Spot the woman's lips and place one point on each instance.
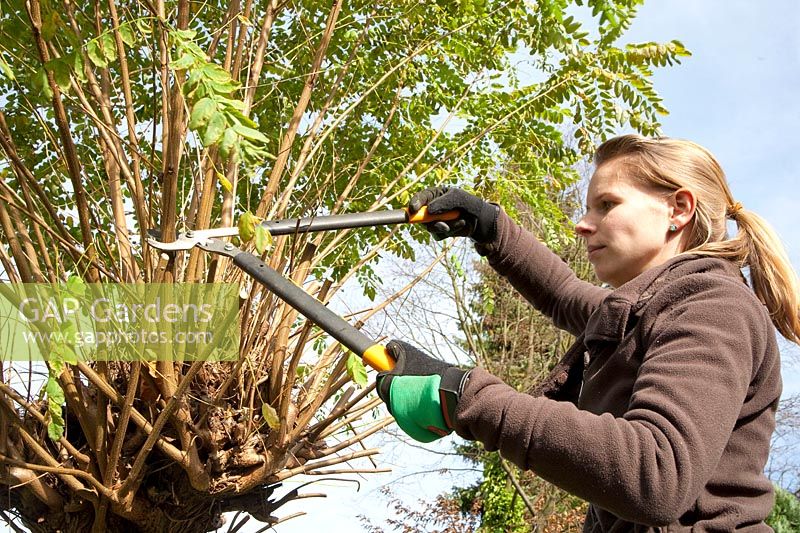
(594, 249)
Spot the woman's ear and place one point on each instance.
(682, 203)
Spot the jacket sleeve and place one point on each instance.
(649, 465)
(542, 277)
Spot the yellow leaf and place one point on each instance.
(270, 416)
(247, 226)
(226, 185)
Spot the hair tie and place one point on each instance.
(734, 210)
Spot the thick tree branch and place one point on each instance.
(134, 477)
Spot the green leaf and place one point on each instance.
(404, 197)
(214, 129)
(238, 105)
(250, 133)
(55, 399)
(50, 25)
(356, 370)
(247, 226)
(95, 55)
(55, 427)
(456, 264)
(39, 83)
(227, 147)
(194, 49)
(225, 87)
(77, 66)
(192, 88)
(270, 416)
(215, 72)
(76, 286)
(63, 353)
(54, 391)
(785, 514)
(201, 112)
(56, 366)
(263, 239)
(184, 35)
(127, 35)
(109, 47)
(184, 62)
(7, 72)
(143, 26)
(61, 73)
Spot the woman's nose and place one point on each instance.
(583, 228)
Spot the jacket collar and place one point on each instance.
(610, 320)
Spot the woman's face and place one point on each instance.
(626, 226)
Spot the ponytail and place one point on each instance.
(757, 246)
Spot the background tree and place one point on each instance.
(785, 515)
(120, 118)
(784, 460)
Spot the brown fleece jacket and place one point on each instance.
(661, 413)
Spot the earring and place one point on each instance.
(673, 228)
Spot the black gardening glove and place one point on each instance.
(478, 218)
(421, 392)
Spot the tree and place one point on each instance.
(782, 466)
(122, 118)
(785, 515)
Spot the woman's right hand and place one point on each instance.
(478, 218)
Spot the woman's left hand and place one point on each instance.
(421, 392)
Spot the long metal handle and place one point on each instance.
(290, 226)
(353, 220)
(375, 355)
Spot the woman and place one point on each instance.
(661, 413)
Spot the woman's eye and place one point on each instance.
(606, 205)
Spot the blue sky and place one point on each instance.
(736, 96)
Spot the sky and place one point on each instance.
(736, 96)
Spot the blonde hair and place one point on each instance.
(672, 164)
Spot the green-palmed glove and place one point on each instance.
(421, 392)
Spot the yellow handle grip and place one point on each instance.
(377, 356)
(423, 216)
